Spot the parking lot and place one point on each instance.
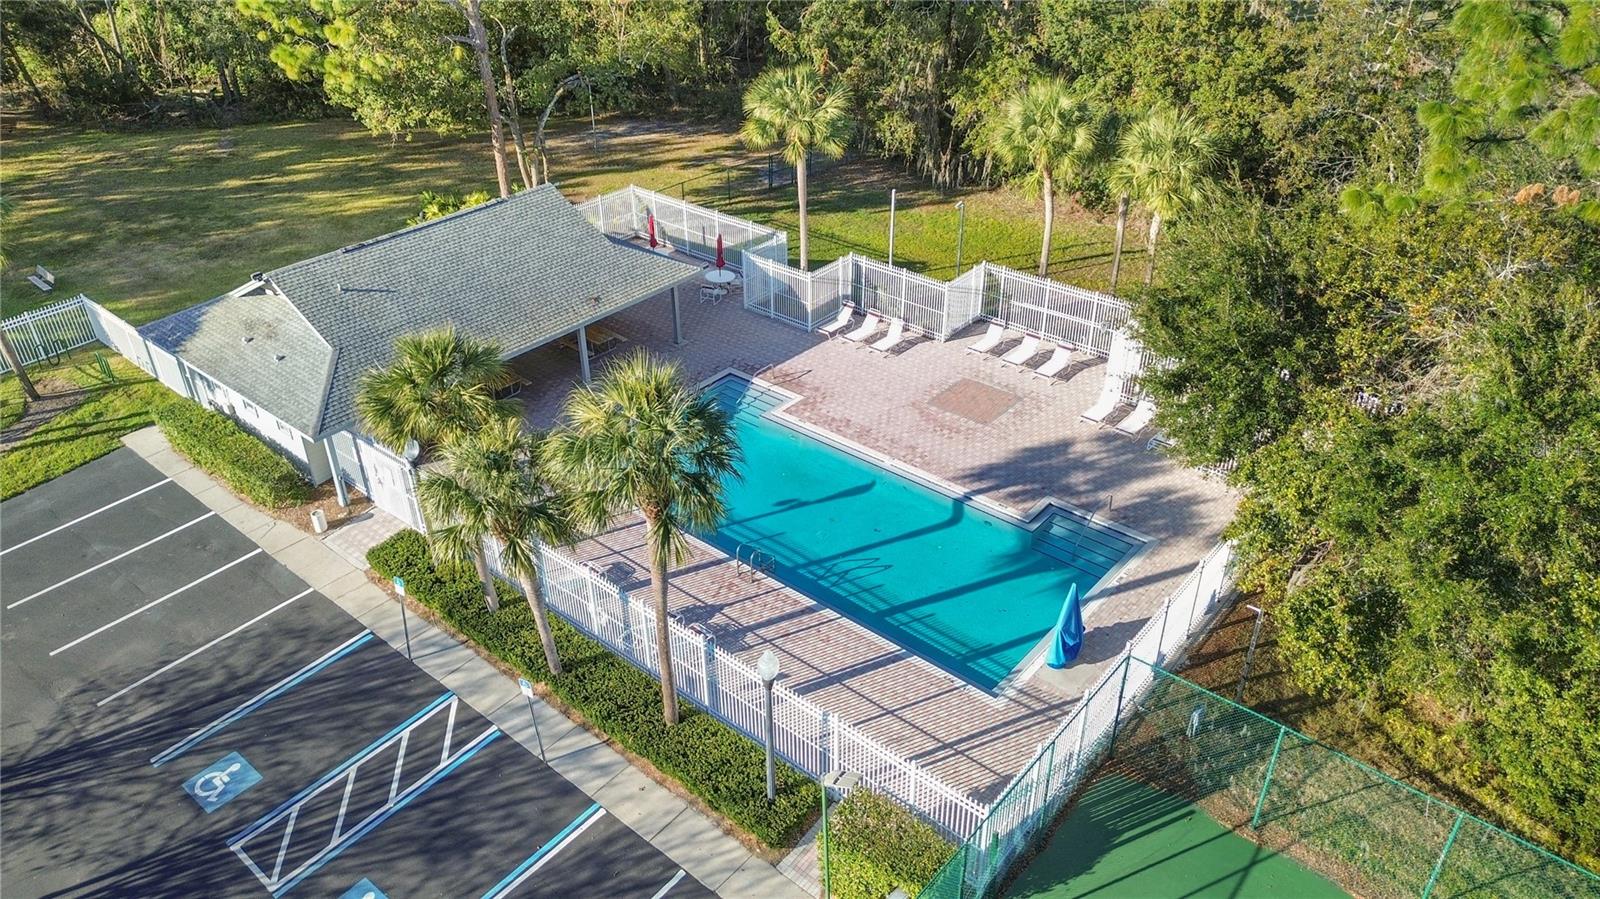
(182, 716)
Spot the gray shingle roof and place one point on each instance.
(258, 344)
(519, 271)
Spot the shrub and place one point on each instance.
(219, 445)
(709, 758)
(877, 847)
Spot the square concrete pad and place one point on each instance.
(974, 401)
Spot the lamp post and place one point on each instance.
(767, 669)
(891, 227)
(961, 230)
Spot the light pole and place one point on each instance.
(961, 230)
(1249, 654)
(891, 227)
(767, 669)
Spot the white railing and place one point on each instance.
(807, 736)
(689, 228)
(48, 332)
(940, 309)
(1061, 762)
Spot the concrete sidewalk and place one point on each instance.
(680, 831)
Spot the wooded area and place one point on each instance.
(1377, 280)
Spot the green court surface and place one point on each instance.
(1125, 839)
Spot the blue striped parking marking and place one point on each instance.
(278, 689)
(482, 740)
(535, 861)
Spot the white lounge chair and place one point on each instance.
(834, 327)
(990, 339)
(1139, 418)
(869, 327)
(1110, 399)
(1027, 349)
(897, 335)
(1058, 361)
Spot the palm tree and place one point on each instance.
(440, 386)
(493, 485)
(1048, 134)
(792, 108)
(641, 437)
(1164, 163)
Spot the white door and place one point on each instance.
(390, 485)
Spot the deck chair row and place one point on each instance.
(1061, 355)
(868, 329)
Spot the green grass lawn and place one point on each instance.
(151, 222)
(85, 432)
(1125, 839)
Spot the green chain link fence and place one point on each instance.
(1363, 830)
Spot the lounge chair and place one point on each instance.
(1058, 361)
(1110, 399)
(897, 334)
(990, 339)
(1027, 349)
(869, 327)
(834, 327)
(1139, 418)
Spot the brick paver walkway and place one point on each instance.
(1035, 448)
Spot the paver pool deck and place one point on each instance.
(1033, 448)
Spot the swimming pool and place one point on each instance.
(969, 590)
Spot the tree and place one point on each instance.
(642, 437)
(493, 485)
(12, 359)
(439, 387)
(1525, 80)
(1164, 163)
(478, 39)
(794, 109)
(1047, 133)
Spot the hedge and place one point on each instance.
(710, 759)
(217, 444)
(877, 847)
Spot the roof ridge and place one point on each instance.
(547, 187)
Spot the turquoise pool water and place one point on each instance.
(963, 588)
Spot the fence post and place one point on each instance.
(1116, 718)
(708, 648)
(1438, 866)
(1161, 635)
(1272, 765)
(1083, 727)
(1049, 771)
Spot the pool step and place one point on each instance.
(1070, 538)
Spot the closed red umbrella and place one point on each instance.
(650, 227)
(720, 261)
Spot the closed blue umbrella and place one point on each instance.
(1066, 639)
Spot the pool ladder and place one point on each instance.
(754, 563)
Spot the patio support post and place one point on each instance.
(677, 319)
(338, 480)
(583, 353)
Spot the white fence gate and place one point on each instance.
(47, 332)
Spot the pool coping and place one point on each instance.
(1033, 659)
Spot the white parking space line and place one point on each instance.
(155, 602)
(545, 853)
(117, 557)
(86, 517)
(194, 652)
(670, 884)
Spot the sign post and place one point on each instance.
(527, 691)
(405, 623)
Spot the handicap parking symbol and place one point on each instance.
(364, 889)
(220, 781)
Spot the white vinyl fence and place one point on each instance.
(940, 309)
(687, 227)
(808, 737)
(49, 331)
(1058, 767)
